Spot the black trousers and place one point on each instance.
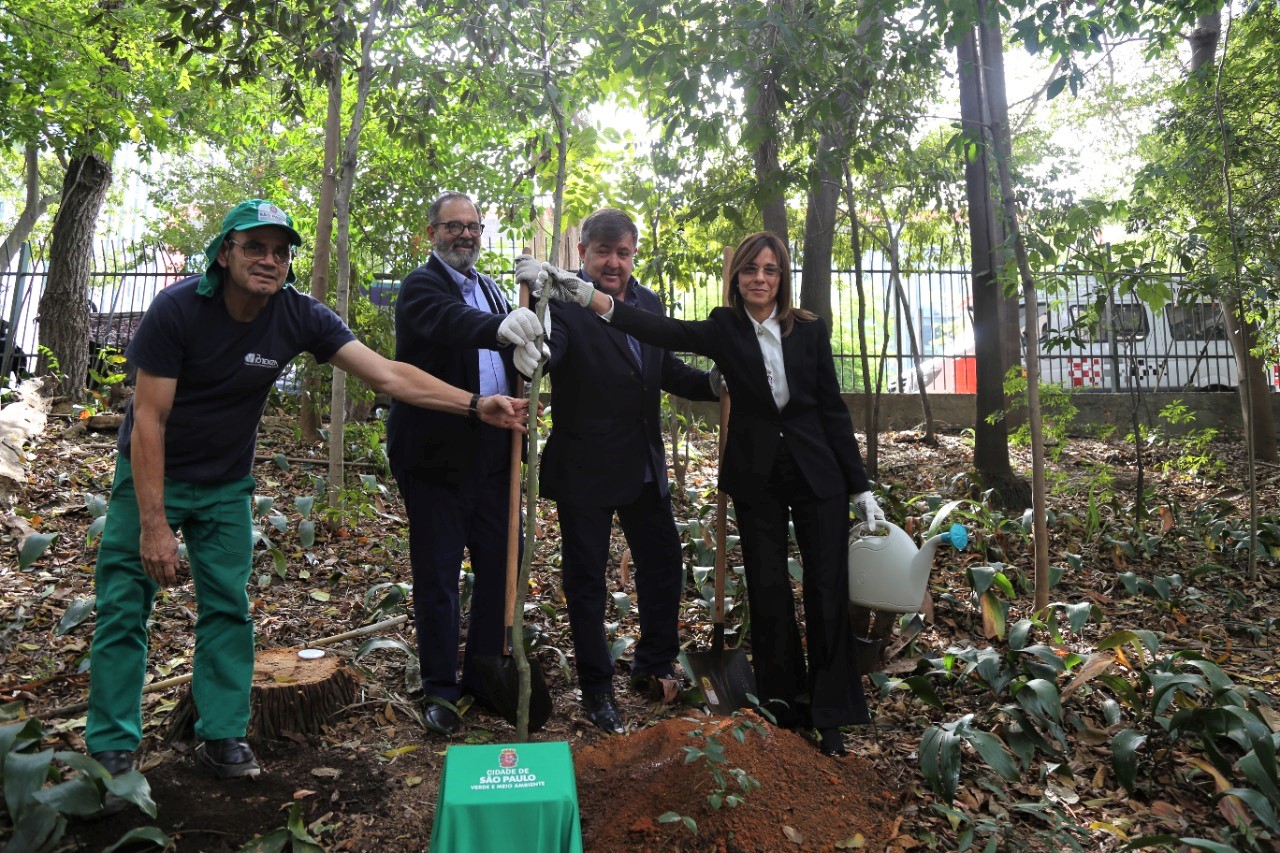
(828, 691)
(655, 550)
(442, 522)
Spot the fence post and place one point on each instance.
(10, 338)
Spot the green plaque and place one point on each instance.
(511, 797)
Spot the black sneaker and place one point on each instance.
(116, 762)
(228, 758)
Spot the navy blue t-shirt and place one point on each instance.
(225, 370)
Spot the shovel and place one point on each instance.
(499, 674)
(724, 675)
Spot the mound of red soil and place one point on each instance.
(804, 798)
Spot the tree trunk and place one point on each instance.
(290, 696)
(820, 231)
(33, 208)
(762, 111)
(998, 110)
(64, 308)
(309, 420)
(870, 426)
(346, 182)
(991, 438)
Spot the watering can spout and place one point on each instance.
(889, 572)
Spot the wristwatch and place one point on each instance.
(473, 409)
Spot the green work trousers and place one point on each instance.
(217, 527)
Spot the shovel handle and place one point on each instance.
(514, 490)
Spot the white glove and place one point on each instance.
(566, 286)
(718, 386)
(865, 506)
(520, 329)
(526, 363)
(527, 269)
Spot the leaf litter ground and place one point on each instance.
(370, 782)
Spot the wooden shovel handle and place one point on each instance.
(514, 489)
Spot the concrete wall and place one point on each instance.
(956, 411)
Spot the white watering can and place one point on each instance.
(887, 571)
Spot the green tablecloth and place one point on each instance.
(509, 797)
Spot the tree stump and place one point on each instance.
(290, 696)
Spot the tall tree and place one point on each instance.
(80, 80)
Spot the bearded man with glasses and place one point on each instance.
(452, 472)
(208, 352)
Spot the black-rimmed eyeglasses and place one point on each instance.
(255, 251)
(453, 227)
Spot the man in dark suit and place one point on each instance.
(453, 470)
(605, 456)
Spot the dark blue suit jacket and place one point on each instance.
(439, 332)
(606, 409)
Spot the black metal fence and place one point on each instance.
(1090, 339)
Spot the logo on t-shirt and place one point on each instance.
(256, 360)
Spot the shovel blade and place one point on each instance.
(725, 677)
(501, 681)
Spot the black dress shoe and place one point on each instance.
(603, 712)
(441, 720)
(114, 761)
(832, 744)
(228, 758)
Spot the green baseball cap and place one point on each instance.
(245, 216)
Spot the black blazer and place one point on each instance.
(815, 422)
(439, 332)
(606, 409)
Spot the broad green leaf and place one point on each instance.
(923, 690)
(95, 529)
(38, 828)
(304, 505)
(619, 647)
(131, 839)
(14, 736)
(282, 461)
(622, 601)
(1078, 614)
(279, 562)
(76, 797)
(994, 753)
(262, 504)
(132, 787)
(940, 761)
(77, 612)
(1124, 756)
(320, 595)
(307, 532)
(24, 774)
(272, 842)
(33, 547)
(96, 504)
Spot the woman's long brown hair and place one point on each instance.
(748, 250)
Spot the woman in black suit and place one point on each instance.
(791, 454)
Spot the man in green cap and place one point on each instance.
(208, 351)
